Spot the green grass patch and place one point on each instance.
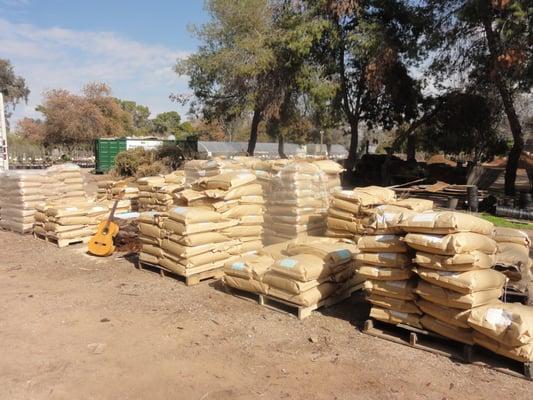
(505, 223)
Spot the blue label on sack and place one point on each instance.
(239, 266)
(344, 253)
(288, 263)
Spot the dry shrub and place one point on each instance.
(152, 169)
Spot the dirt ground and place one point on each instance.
(75, 327)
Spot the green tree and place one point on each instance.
(139, 116)
(486, 42)
(367, 48)
(12, 87)
(167, 123)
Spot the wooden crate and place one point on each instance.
(190, 279)
(437, 344)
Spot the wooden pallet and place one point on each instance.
(242, 294)
(8, 229)
(190, 280)
(284, 306)
(62, 242)
(437, 344)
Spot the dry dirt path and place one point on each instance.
(73, 327)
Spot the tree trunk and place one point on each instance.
(411, 148)
(508, 105)
(281, 145)
(253, 132)
(352, 153)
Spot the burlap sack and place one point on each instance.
(333, 253)
(445, 222)
(521, 353)
(391, 303)
(181, 251)
(512, 254)
(151, 230)
(333, 233)
(289, 285)
(249, 266)
(53, 227)
(248, 285)
(148, 258)
(208, 258)
(77, 220)
(155, 251)
(403, 290)
(65, 211)
(451, 244)
(226, 181)
(391, 260)
(384, 273)
(152, 217)
(276, 251)
(341, 214)
(511, 324)
(302, 267)
(395, 317)
(243, 210)
(192, 215)
(418, 205)
(251, 220)
(449, 298)
(510, 235)
(308, 298)
(463, 282)
(246, 246)
(367, 196)
(382, 244)
(179, 228)
(73, 234)
(450, 331)
(240, 231)
(199, 239)
(345, 205)
(343, 225)
(474, 260)
(385, 219)
(329, 166)
(450, 316)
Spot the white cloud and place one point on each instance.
(63, 58)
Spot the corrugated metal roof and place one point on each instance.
(271, 149)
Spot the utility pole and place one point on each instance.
(4, 159)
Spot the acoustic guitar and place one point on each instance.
(101, 243)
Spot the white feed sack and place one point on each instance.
(20, 193)
(297, 203)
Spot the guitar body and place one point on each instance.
(101, 243)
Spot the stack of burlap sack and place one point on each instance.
(20, 193)
(454, 256)
(72, 221)
(352, 212)
(333, 171)
(512, 257)
(157, 193)
(297, 203)
(303, 271)
(504, 328)
(384, 258)
(69, 182)
(193, 240)
(199, 169)
(151, 235)
(237, 197)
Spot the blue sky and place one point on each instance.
(130, 45)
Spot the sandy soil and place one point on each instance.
(75, 327)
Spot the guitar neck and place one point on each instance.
(112, 213)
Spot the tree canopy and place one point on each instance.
(12, 86)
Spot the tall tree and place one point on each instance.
(139, 116)
(487, 42)
(167, 123)
(12, 86)
(368, 48)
